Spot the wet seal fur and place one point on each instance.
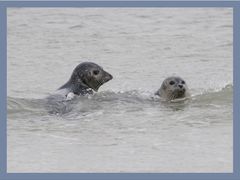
(173, 88)
(86, 78)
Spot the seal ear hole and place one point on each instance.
(89, 73)
(171, 82)
(96, 72)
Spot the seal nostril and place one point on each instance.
(181, 86)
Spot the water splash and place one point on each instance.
(111, 100)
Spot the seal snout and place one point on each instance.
(180, 91)
(181, 88)
(107, 77)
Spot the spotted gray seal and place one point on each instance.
(173, 88)
(85, 78)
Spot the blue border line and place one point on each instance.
(138, 176)
(116, 176)
(132, 176)
(236, 92)
(3, 91)
(119, 3)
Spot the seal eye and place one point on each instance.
(96, 72)
(171, 82)
(183, 82)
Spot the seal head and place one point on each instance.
(86, 77)
(173, 88)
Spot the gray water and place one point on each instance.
(123, 127)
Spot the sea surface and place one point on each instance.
(123, 127)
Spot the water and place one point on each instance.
(123, 127)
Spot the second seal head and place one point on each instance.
(173, 88)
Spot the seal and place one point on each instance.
(85, 78)
(173, 88)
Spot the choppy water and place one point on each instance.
(123, 127)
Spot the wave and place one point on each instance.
(110, 99)
(21, 105)
(218, 95)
